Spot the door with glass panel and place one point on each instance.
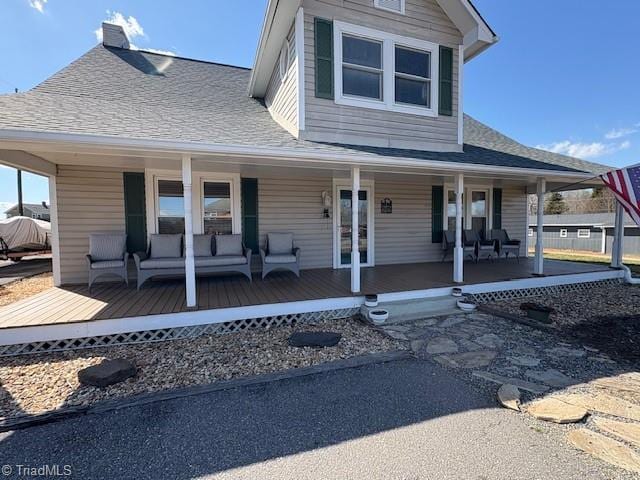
(345, 223)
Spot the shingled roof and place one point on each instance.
(144, 95)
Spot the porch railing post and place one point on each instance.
(355, 230)
(458, 257)
(618, 237)
(189, 264)
(538, 267)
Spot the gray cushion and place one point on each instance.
(280, 243)
(280, 259)
(107, 246)
(166, 245)
(202, 245)
(220, 260)
(229, 245)
(154, 263)
(107, 264)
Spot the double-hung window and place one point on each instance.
(375, 69)
(412, 76)
(361, 67)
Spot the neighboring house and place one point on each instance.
(352, 98)
(591, 232)
(39, 211)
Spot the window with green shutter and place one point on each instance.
(134, 212)
(437, 207)
(446, 81)
(249, 202)
(324, 57)
(497, 208)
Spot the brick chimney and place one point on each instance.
(114, 36)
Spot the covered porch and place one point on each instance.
(113, 301)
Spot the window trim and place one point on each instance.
(376, 4)
(389, 42)
(283, 61)
(530, 232)
(199, 177)
(564, 233)
(466, 204)
(587, 230)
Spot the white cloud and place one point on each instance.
(585, 150)
(132, 28)
(130, 25)
(38, 4)
(620, 132)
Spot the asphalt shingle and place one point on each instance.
(143, 95)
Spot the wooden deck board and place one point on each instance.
(115, 300)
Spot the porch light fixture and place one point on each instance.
(326, 202)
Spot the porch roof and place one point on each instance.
(132, 94)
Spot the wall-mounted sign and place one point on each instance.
(386, 205)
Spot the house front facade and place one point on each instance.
(350, 99)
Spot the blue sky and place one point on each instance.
(563, 76)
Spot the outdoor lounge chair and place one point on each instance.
(449, 244)
(485, 248)
(107, 256)
(504, 244)
(280, 254)
(165, 256)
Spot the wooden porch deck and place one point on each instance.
(114, 300)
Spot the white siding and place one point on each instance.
(325, 120)
(281, 97)
(294, 205)
(90, 200)
(404, 236)
(514, 215)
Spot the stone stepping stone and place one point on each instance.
(479, 359)
(604, 403)
(489, 340)
(551, 377)
(524, 361)
(396, 335)
(416, 345)
(314, 339)
(108, 372)
(451, 321)
(521, 384)
(553, 410)
(440, 345)
(605, 448)
(629, 432)
(509, 397)
(626, 382)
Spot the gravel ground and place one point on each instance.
(40, 383)
(25, 288)
(604, 317)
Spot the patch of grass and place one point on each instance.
(586, 257)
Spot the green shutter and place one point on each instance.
(324, 57)
(134, 212)
(446, 81)
(437, 207)
(497, 208)
(249, 201)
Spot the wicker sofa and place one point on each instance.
(212, 254)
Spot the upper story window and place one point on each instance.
(391, 5)
(361, 67)
(379, 70)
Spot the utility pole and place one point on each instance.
(20, 206)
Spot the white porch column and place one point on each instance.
(458, 257)
(355, 230)
(190, 271)
(538, 267)
(618, 237)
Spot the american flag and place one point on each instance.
(625, 185)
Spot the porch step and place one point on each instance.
(408, 310)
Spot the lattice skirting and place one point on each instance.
(174, 333)
(487, 297)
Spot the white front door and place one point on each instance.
(342, 225)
